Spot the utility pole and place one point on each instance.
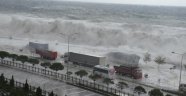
(181, 64)
(68, 41)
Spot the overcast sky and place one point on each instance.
(144, 2)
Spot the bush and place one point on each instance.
(33, 61)
(22, 58)
(139, 89)
(81, 73)
(69, 73)
(108, 81)
(46, 64)
(3, 54)
(38, 92)
(57, 66)
(122, 85)
(13, 56)
(155, 92)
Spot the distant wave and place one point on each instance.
(146, 37)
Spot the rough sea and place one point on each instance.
(158, 29)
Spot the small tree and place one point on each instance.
(12, 82)
(46, 64)
(122, 85)
(69, 73)
(38, 92)
(108, 81)
(147, 57)
(183, 94)
(2, 80)
(81, 73)
(13, 56)
(33, 61)
(51, 94)
(140, 90)
(22, 58)
(3, 54)
(57, 66)
(26, 87)
(94, 77)
(159, 60)
(155, 92)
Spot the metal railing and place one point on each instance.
(21, 85)
(92, 86)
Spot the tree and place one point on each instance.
(22, 58)
(33, 61)
(69, 73)
(155, 92)
(38, 92)
(46, 64)
(26, 87)
(81, 73)
(94, 77)
(108, 81)
(3, 54)
(57, 66)
(168, 95)
(183, 94)
(122, 85)
(139, 90)
(159, 60)
(51, 94)
(147, 57)
(2, 80)
(12, 82)
(13, 56)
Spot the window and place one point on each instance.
(100, 70)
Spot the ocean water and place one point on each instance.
(158, 29)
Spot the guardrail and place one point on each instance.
(99, 88)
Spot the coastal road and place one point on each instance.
(60, 88)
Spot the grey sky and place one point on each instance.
(144, 2)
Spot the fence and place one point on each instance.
(102, 89)
(32, 88)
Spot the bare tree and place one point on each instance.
(160, 60)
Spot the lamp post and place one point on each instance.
(68, 41)
(181, 64)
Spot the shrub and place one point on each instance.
(81, 73)
(139, 89)
(3, 54)
(57, 66)
(22, 58)
(155, 92)
(46, 64)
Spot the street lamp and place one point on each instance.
(68, 40)
(181, 64)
